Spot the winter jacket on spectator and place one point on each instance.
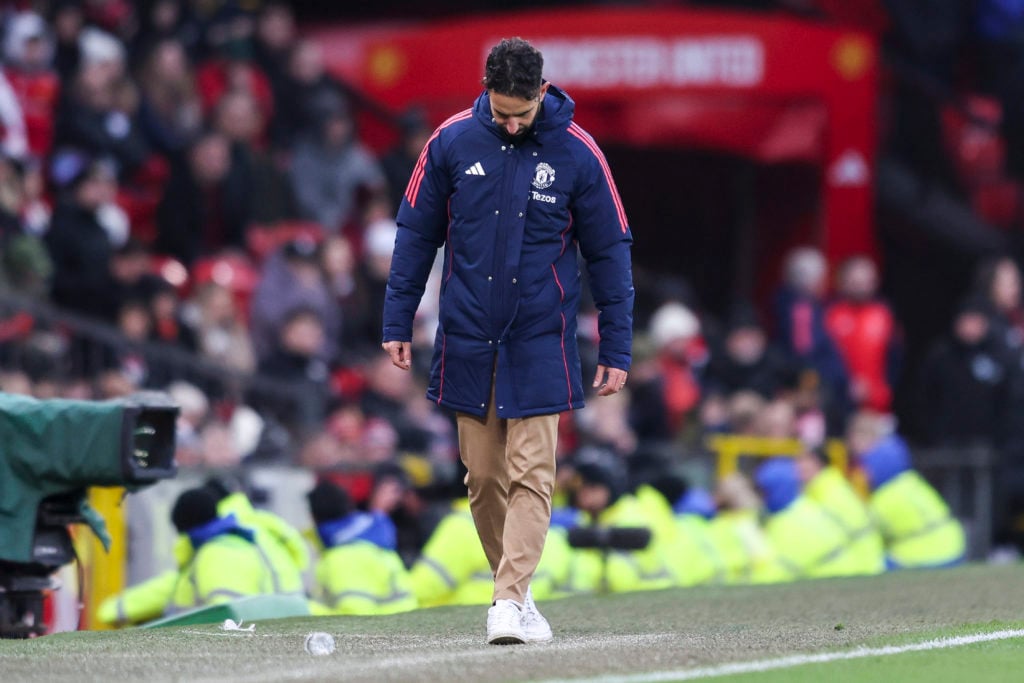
(195, 219)
(865, 333)
(511, 283)
(81, 252)
(802, 335)
(37, 94)
(282, 290)
(970, 393)
(326, 179)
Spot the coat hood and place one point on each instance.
(556, 112)
(779, 482)
(376, 528)
(696, 501)
(887, 460)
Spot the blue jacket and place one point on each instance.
(510, 217)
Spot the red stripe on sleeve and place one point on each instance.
(412, 190)
(585, 138)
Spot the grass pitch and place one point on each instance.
(596, 638)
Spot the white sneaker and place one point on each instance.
(536, 628)
(505, 623)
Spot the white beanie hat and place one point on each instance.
(671, 322)
(380, 237)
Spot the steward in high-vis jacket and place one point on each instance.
(805, 542)
(599, 493)
(452, 568)
(829, 488)
(704, 562)
(359, 571)
(516, 309)
(682, 540)
(225, 563)
(914, 520)
(736, 531)
(285, 550)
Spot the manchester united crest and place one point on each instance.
(543, 176)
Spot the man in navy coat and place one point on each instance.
(511, 188)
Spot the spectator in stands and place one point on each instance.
(999, 281)
(166, 310)
(25, 265)
(372, 271)
(399, 162)
(239, 119)
(233, 69)
(220, 331)
(745, 361)
(131, 269)
(303, 91)
(128, 357)
(394, 396)
(274, 41)
(663, 404)
(346, 286)
(170, 114)
(801, 331)
(864, 330)
(330, 167)
(28, 50)
(15, 141)
(161, 20)
(98, 112)
(205, 205)
(606, 423)
(292, 278)
(297, 362)
(68, 20)
(970, 389)
(1000, 65)
(79, 246)
(194, 410)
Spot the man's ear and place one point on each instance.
(543, 90)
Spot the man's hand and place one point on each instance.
(400, 352)
(616, 379)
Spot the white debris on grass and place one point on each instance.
(231, 625)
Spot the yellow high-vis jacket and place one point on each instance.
(618, 571)
(838, 499)
(916, 524)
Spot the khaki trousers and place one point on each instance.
(511, 465)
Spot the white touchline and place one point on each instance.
(794, 660)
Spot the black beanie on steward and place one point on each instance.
(193, 509)
(328, 501)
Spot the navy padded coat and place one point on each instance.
(510, 217)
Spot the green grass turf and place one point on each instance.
(622, 634)
(994, 662)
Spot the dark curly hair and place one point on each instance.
(514, 69)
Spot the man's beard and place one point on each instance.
(518, 137)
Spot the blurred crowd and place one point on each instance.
(189, 174)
